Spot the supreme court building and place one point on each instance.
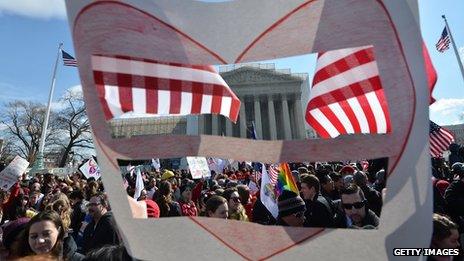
(273, 100)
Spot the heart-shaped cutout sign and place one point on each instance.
(189, 32)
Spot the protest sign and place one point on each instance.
(62, 171)
(10, 175)
(198, 167)
(90, 169)
(158, 30)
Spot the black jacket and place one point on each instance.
(374, 199)
(371, 219)
(105, 233)
(77, 216)
(261, 215)
(454, 198)
(319, 212)
(70, 250)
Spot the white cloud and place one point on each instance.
(76, 90)
(447, 111)
(44, 9)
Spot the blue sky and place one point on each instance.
(31, 31)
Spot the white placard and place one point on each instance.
(198, 167)
(10, 175)
(62, 171)
(90, 169)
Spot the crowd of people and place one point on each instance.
(336, 195)
(69, 218)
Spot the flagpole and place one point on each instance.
(39, 164)
(454, 46)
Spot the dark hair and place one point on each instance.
(335, 176)
(108, 253)
(213, 203)
(324, 179)
(16, 209)
(101, 199)
(228, 193)
(442, 226)
(164, 198)
(311, 181)
(77, 194)
(352, 189)
(46, 215)
(244, 193)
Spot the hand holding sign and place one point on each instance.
(11, 174)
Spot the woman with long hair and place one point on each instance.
(168, 207)
(236, 209)
(187, 205)
(44, 235)
(62, 205)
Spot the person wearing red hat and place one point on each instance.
(153, 210)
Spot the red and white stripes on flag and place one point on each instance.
(347, 96)
(126, 84)
(440, 139)
(273, 173)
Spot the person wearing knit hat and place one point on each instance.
(11, 232)
(153, 210)
(291, 209)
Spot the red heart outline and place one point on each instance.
(238, 59)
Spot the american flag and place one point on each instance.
(273, 173)
(440, 139)
(347, 96)
(68, 60)
(141, 86)
(444, 41)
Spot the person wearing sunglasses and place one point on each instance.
(354, 205)
(236, 209)
(291, 209)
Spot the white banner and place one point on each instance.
(198, 167)
(90, 169)
(10, 175)
(62, 171)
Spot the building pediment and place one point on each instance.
(249, 75)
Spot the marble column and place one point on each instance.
(258, 123)
(286, 118)
(201, 124)
(229, 129)
(214, 125)
(299, 119)
(242, 119)
(272, 120)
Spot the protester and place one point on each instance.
(216, 207)
(373, 197)
(12, 232)
(102, 229)
(44, 234)
(291, 209)
(187, 205)
(357, 215)
(236, 209)
(445, 235)
(319, 210)
(168, 207)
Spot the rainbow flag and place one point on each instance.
(285, 180)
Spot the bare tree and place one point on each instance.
(23, 121)
(73, 123)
